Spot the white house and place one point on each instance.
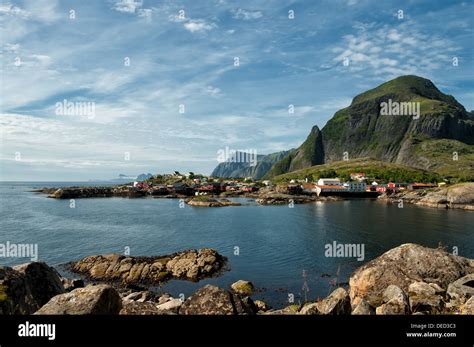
(356, 186)
(329, 182)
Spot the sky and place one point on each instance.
(166, 85)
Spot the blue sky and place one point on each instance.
(188, 60)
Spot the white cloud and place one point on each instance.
(10, 10)
(198, 25)
(127, 6)
(247, 14)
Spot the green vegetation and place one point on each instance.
(379, 170)
(441, 154)
(3, 293)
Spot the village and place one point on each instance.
(190, 184)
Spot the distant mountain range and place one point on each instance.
(245, 169)
(429, 138)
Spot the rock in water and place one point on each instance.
(191, 265)
(242, 287)
(402, 266)
(99, 299)
(25, 288)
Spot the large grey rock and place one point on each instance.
(137, 308)
(402, 266)
(99, 299)
(25, 288)
(336, 303)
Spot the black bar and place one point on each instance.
(260, 329)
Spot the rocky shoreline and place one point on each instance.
(409, 279)
(459, 196)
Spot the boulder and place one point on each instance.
(191, 265)
(242, 287)
(25, 288)
(363, 308)
(402, 266)
(423, 298)
(99, 299)
(212, 300)
(170, 306)
(336, 303)
(462, 289)
(311, 308)
(137, 308)
(395, 302)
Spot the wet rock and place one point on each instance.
(363, 308)
(423, 298)
(191, 265)
(336, 303)
(25, 288)
(402, 266)
(244, 288)
(99, 299)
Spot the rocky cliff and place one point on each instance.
(362, 130)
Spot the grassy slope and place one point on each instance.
(373, 168)
(439, 152)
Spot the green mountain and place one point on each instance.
(425, 138)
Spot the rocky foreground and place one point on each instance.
(409, 279)
(458, 196)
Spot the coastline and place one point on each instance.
(444, 291)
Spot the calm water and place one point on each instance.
(276, 243)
